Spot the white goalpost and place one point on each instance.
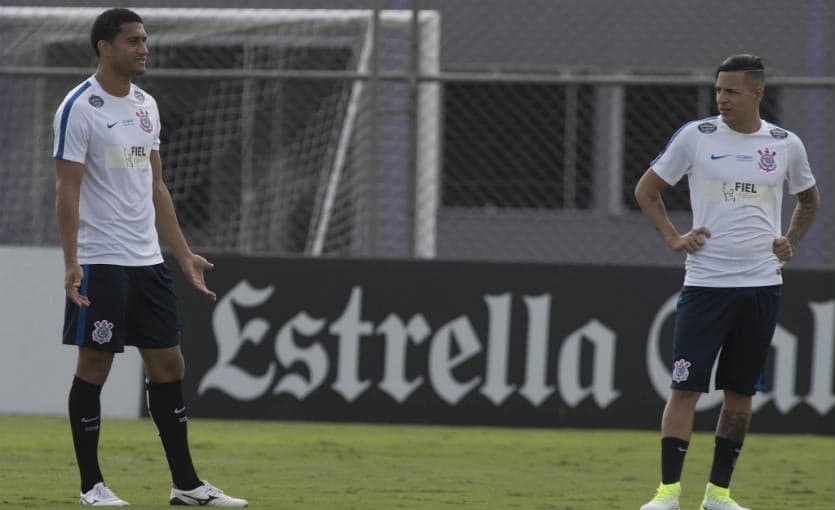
(427, 140)
(322, 216)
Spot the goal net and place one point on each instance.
(280, 134)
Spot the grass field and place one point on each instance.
(304, 466)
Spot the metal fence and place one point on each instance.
(387, 133)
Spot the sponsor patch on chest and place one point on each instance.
(128, 156)
(739, 192)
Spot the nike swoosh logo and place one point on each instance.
(199, 501)
(714, 156)
(88, 420)
(682, 450)
(109, 125)
(180, 410)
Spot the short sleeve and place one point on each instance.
(677, 157)
(799, 175)
(72, 132)
(156, 137)
(157, 127)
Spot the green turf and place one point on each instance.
(281, 465)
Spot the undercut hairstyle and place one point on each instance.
(108, 25)
(751, 65)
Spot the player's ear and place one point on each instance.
(104, 47)
(759, 92)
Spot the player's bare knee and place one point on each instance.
(685, 396)
(93, 366)
(737, 401)
(164, 372)
(164, 366)
(92, 376)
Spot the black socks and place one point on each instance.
(673, 451)
(165, 403)
(85, 421)
(725, 454)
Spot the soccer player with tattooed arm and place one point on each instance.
(111, 200)
(737, 166)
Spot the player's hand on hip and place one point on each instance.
(692, 241)
(782, 247)
(194, 266)
(73, 274)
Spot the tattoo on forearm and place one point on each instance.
(733, 425)
(802, 215)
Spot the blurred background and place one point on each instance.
(450, 129)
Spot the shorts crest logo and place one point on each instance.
(144, 121)
(680, 370)
(767, 162)
(102, 334)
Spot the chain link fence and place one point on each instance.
(404, 129)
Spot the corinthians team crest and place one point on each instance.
(102, 332)
(144, 120)
(680, 370)
(767, 162)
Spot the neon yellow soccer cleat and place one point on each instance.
(719, 498)
(666, 497)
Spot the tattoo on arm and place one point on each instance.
(807, 205)
(733, 425)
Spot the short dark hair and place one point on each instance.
(751, 65)
(109, 23)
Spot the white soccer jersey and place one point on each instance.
(113, 137)
(736, 191)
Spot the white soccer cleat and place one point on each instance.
(666, 497)
(101, 495)
(205, 495)
(719, 498)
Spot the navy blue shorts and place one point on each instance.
(738, 320)
(128, 306)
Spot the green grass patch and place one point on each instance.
(314, 466)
